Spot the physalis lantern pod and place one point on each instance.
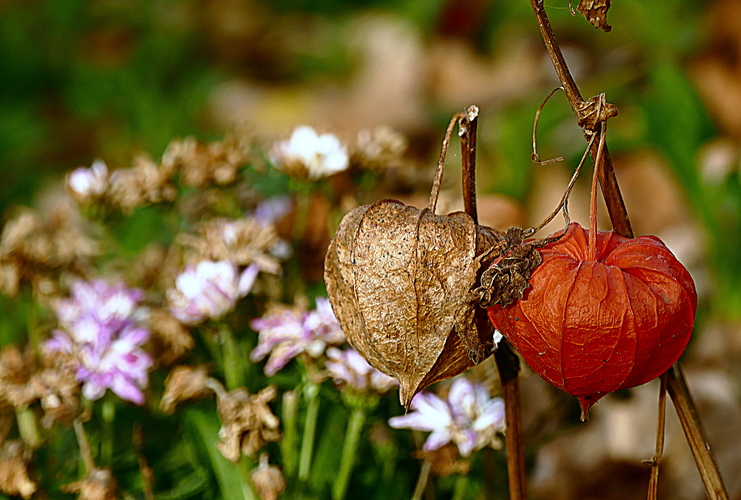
(401, 281)
(590, 327)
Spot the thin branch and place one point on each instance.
(608, 181)
(653, 483)
(508, 364)
(687, 413)
(467, 128)
(441, 163)
(676, 386)
(535, 156)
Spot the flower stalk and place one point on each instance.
(349, 452)
(311, 395)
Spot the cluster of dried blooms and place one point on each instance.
(186, 162)
(40, 249)
(52, 383)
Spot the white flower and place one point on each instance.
(209, 290)
(469, 418)
(349, 368)
(88, 184)
(308, 154)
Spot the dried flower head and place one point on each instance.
(468, 417)
(58, 389)
(87, 185)
(243, 241)
(287, 333)
(14, 460)
(444, 461)
(16, 370)
(378, 149)
(38, 250)
(204, 164)
(268, 479)
(100, 484)
(97, 330)
(145, 183)
(308, 155)
(247, 422)
(349, 369)
(209, 290)
(183, 383)
(170, 339)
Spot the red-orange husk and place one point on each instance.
(590, 327)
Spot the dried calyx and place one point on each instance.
(401, 283)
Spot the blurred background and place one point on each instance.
(81, 80)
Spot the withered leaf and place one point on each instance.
(400, 282)
(596, 13)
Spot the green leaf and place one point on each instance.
(202, 429)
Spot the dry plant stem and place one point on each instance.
(683, 403)
(687, 413)
(467, 128)
(535, 156)
(85, 453)
(508, 364)
(593, 199)
(653, 482)
(435, 193)
(608, 181)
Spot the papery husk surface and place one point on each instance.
(400, 282)
(590, 327)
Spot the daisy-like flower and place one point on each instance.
(309, 155)
(469, 418)
(99, 333)
(286, 334)
(351, 370)
(209, 290)
(88, 184)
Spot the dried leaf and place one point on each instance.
(400, 281)
(596, 13)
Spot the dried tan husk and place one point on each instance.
(400, 282)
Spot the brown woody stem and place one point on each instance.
(467, 127)
(653, 482)
(676, 386)
(508, 364)
(608, 181)
(687, 413)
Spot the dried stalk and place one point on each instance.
(653, 482)
(508, 364)
(676, 386)
(688, 417)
